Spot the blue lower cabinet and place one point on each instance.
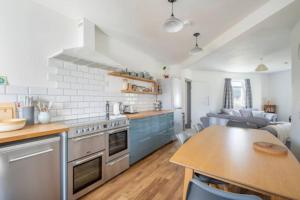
(149, 134)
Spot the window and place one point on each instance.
(238, 88)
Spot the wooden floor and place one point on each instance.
(153, 178)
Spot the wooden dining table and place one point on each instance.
(227, 154)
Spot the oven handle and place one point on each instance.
(87, 137)
(88, 159)
(115, 161)
(117, 130)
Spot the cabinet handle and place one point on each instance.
(115, 161)
(30, 155)
(87, 137)
(88, 159)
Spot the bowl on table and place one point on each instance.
(11, 124)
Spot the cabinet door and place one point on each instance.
(30, 170)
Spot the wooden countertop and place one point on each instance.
(227, 154)
(34, 131)
(144, 114)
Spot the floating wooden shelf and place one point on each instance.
(138, 92)
(131, 77)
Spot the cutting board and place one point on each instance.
(7, 111)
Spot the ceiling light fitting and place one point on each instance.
(261, 67)
(173, 24)
(196, 49)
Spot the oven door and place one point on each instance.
(116, 143)
(85, 174)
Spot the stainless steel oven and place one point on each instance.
(116, 143)
(86, 166)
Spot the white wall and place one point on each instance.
(295, 42)
(29, 34)
(279, 92)
(214, 84)
(126, 55)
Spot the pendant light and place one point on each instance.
(196, 49)
(173, 24)
(261, 67)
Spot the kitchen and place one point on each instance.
(98, 120)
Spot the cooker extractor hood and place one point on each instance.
(85, 53)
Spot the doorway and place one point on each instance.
(188, 86)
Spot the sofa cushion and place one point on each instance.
(258, 113)
(246, 113)
(236, 113)
(227, 111)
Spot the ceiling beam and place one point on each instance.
(253, 19)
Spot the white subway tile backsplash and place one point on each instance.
(2, 89)
(63, 72)
(70, 66)
(63, 99)
(8, 98)
(83, 68)
(16, 90)
(76, 98)
(70, 105)
(76, 73)
(54, 77)
(54, 91)
(64, 112)
(38, 91)
(52, 62)
(63, 85)
(70, 79)
(70, 92)
(80, 92)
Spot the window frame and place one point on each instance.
(243, 93)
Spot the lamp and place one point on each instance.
(196, 49)
(261, 67)
(173, 24)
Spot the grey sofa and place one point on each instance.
(241, 121)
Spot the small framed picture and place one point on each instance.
(3, 80)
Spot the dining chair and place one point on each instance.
(182, 137)
(198, 127)
(198, 191)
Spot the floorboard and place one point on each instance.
(153, 178)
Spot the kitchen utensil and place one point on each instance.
(44, 117)
(28, 114)
(11, 124)
(7, 111)
(129, 109)
(116, 109)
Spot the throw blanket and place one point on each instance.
(282, 129)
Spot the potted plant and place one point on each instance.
(165, 72)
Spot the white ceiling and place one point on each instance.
(270, 39)
(139, 22)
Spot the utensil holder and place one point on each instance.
(28, 114)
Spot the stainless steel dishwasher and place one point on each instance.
(30, 170)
